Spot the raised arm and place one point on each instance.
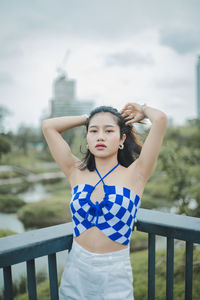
(146, 162)
(58, 147)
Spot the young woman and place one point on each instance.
(107, 188)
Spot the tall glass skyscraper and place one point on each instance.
(198, 88)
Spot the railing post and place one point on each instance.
(53, 278)
(188, 270)
(32, 292)
(8, 283)
(151, 266)
(170, 269)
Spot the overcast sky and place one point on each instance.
(120, 51)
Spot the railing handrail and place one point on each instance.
(17, 248)
(170, 225)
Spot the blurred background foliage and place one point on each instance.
(174, 187)
(174, 184)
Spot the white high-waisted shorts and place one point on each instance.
(97, 276)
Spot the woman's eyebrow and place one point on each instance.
(109, 125)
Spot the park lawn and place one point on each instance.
(139, 261)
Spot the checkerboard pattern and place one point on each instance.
(114, 215)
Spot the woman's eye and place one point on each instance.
(93, 131)
(109, 130)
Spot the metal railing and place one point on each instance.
(172, 227)
(28, 246)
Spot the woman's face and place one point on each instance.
(103, 136)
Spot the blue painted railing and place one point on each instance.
(28, 246)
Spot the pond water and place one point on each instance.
(10, 221)
(34, 193)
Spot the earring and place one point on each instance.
(121, 146)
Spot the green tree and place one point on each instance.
(27, 136)
(179, 157)
(5, 145)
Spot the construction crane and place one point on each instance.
(61, 68)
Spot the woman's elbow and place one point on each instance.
(163, 119)
(45, 124)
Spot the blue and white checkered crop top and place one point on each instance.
(114, 215)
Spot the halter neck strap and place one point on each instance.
(105, 175)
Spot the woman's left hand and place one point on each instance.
(132, 113)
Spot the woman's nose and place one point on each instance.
(100, 136)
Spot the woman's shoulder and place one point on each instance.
(79, 176)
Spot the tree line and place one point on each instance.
(177, 177)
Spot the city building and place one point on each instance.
(198, 87)
(64, 101)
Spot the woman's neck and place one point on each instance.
(104, 165)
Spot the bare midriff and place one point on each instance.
(94, 240)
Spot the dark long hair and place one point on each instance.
(132, 144)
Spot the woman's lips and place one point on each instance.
(100, 146)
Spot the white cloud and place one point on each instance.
(182, 40)
(128, 58)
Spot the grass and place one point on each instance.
(20, 287)
(14, 188)
(6, 232)
(10, 203)
(138, 241)
(139, 262)
(47, 212)
(31, 161)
